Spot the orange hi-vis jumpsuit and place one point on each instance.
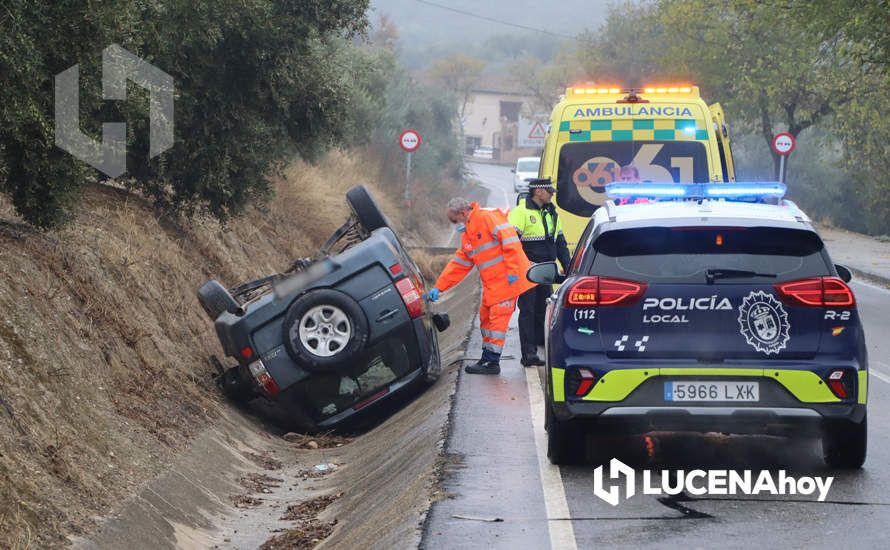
(491, 244)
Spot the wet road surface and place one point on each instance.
(505, 494)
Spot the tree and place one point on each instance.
(761, 61)
(256, 82)
(458, 73)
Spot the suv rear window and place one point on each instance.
(685, 254)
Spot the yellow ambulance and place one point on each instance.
(669, 134)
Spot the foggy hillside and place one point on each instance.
(428, 31)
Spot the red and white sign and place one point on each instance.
(537, 131)
(410, 141)
(783, 144)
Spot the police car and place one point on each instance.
(718, 309)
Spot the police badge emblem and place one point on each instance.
(764, 322)
(532, 219)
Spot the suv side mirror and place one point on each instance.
(545, 273)
(844, 273)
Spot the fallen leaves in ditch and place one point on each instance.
(321, 441)
(309, 531)
(259, 483)
(246, 501)
(265, 461)
(306, 535)
(308, 509)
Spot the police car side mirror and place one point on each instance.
(545, 273)
(844, 273)
(513, 170)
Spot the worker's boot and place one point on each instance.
(483, 367)
(531, 360)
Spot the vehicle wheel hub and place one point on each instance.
(323, 330)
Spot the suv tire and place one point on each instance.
(236, 384)
(324, 328)
(844, 444)
(566, 441)
(366, 209)
(216, 300)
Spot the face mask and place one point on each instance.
(460, 228)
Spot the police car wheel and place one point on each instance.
(366, 209)
(566, 440)
(844, 444)
(324, 329)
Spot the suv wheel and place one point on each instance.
(844, 444)
(365, 208)
(566, 440)
(216, 300)
(324, 328)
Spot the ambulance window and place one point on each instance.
(585, 168)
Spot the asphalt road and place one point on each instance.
(505, 494)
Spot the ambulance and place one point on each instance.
(669, 134)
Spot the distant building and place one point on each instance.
(494, 118)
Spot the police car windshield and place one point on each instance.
(715, 255)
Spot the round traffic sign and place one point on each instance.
(410, 140)
(783, 144)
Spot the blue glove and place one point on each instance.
(512, 279)
(433, 295)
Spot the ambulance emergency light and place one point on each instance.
(692, 191)
(588, 89)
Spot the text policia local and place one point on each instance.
(732, 482)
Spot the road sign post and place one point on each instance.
(782, 145)
(409, 141)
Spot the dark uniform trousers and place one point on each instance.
(532, 305)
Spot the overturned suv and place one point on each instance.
(333, 334)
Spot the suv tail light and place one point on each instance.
(816, 292)
(579, 382)
(840, 383)
(263, 378)
(411, 296)
(604, 291)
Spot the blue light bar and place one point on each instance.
(650, 190)
(753, 191)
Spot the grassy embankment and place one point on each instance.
(104, 375)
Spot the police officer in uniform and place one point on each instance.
(540, 233)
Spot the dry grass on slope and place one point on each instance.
(103, 346)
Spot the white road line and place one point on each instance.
(869, 284)
(878, 374)
(562, 534)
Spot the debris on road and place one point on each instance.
(473, 518)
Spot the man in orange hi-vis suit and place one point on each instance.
(489, 242)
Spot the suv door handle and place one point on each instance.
(384, 315)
